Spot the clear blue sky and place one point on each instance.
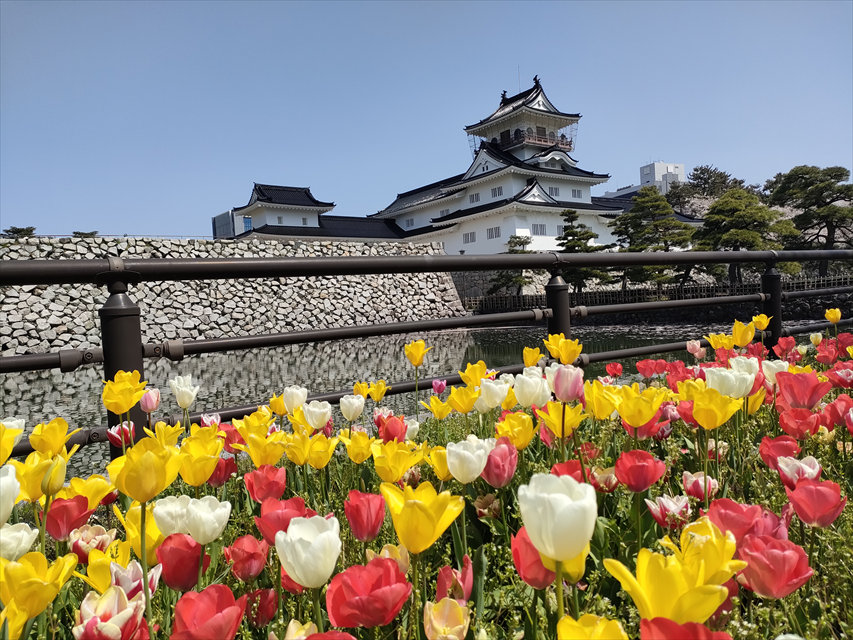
(148, 118)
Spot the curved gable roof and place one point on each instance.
(293, 196)
(533, 98)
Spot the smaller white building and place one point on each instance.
(655, 174)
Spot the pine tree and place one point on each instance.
(579, 238)
(513, 279)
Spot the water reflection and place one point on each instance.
(239, 378)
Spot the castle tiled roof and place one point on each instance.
(294, 196)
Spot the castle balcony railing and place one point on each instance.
(122, 346)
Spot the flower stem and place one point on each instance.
(144, 561)
(579, 455)
(561, 610)
(417, 409)
(415, 610)
(318, 613)
(200, 569)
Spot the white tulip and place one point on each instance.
(531, 391)
(559, 514)
(9, 490)
(206, 518)
(294, 397)
(317, 414)
(170, 514)
(467, 459)
(744, 364)
(493, 393)
(14, 423)
(352, 407)
(550, 372)
(412, 428)
(185, 392)
(309, 550)
(507, 378)
(735, 384)
(16, 540)
(772, 367)
(795, 470)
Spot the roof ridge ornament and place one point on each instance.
(536, 80)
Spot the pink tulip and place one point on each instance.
(775, 568)
(817, 503)
(150, 401)
(792, 470)
(670, 512)
(568, 383)
(110, 615)
(694, 485)
(501, 464)
(438, 386)
(452, 583)
(121, 434)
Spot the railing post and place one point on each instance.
(557, 299)
(121, 338)
(771, 286)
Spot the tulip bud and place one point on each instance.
(352, 407)
(438, 386)
(816, 338)
(54, 477)
(150, 402)
(568, 383)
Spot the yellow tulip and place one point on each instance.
(299, 423)
(167, 435)
(742, 334)
(360, 389)
(54, 477)
(756, 401)
(9, 437)
(297, 446)
(462, 399)
(358, 445)
(257, 423)
(377, 390)
(420, 515)
(439, 409)
(146, 470)
(706, 553)
(123, 391)
(510, 401)
(200, 453)
(566, 351)
(590, 627)
(30, 473)
(321, 450)
(518, 427)
(395, 552)
(49, 439)
(277, 405)
(95, 488)
(561, 419)
(98, 575)
(712, 409)
(761, 321)
(392, 459)
(687, 389)
(833, 315)
(32, 583)
(473, 373)
(531, 356)
(153, 536)
(720, 341)
(637, 407)
(415, 352)
(437, 459)
(573, 569)
(599, 402)
(446, 620)
(665, 588)
(15, 617)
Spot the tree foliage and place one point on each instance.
(514, 278)
(738, 221)
(823, 198)
(84, 234)
(707, 180)
(19, 232)
(579, 238)
(650, 225)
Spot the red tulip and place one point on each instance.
(247, 556)
(603, 480)
(817, 502)
(757, 350)
(666, 629)
(261, 607)
(841, 375)
(212, 613)
(791, 470)
(289, 585)
(785, 346)
(225, 468)
(179, 556)
(638, 470)
(685, 412)
(452, 583)
(121, 434)
(277, 514)
(367, 596)
(799, 423)
(648, 368)
(844, 340)
(266, 482)
(528, 562)
(66, 515)
(501, 464)
(771, 449)
(613, 369)
(834, 412)
(651, 428)
(232, 436)
(801, 390)
(748, 519)
(827, 352)
(568, 468)
(331, 635)
(775, 568)
(365, 513)
(391, 428)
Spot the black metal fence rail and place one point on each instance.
(123, 349)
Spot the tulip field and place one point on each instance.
(702, 499)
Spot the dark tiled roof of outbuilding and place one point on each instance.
(343, 227)
(275, 194)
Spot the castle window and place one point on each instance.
(304, 222)
(493, 232)
(554, 191)
(474, 197)
(247, 224)
(410, 222)
(444, 212)
(497, 191)
(280, 219)
(551, 137)
(540, 132)
(468, 237)
(577, 193)
(538, 229)
(561, 229)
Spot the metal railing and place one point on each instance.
(123, 349)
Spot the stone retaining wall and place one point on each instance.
(38, 319)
